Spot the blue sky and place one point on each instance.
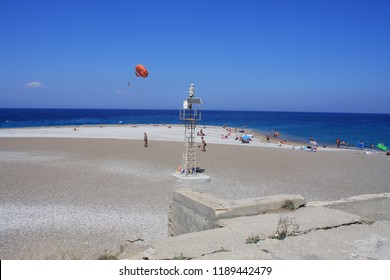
(263, 55)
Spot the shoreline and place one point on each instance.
(135, 131)
(297, 127)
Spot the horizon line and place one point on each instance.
(229, 110)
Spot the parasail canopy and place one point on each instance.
(141, 71)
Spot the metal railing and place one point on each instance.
(190, 115)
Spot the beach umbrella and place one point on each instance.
(246, 137)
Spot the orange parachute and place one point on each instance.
(141, 71)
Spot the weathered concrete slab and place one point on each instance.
(193, 211)
(314, 232)
(260, 205)
(231, 241)
(343, 243)
(296, 222)
(371, 206)
(192, 245)
(358, 241)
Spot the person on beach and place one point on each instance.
(338, 143)
(203, 145)
(145, 140)
(200, 133)
(361, 144)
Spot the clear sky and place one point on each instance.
(263, 55)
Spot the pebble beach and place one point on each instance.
(89, 192)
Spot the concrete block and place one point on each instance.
(194, 211)
(315, 232)
(191, 245)
(354, 242)
(371, 206)
(255, 206)
(297, 222)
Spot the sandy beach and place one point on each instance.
(94, 191)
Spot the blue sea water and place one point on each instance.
(323, 127)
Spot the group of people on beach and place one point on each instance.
(344, 143)
(360, 145)
(203, 143)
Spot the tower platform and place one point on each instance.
(192, 178)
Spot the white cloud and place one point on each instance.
(34, 85)
(120, 92)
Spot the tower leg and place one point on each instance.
(189, 155)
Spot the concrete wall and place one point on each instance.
(371, 206)
(192, 211)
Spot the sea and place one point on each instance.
(325, 128)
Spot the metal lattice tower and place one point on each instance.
(190, 118)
